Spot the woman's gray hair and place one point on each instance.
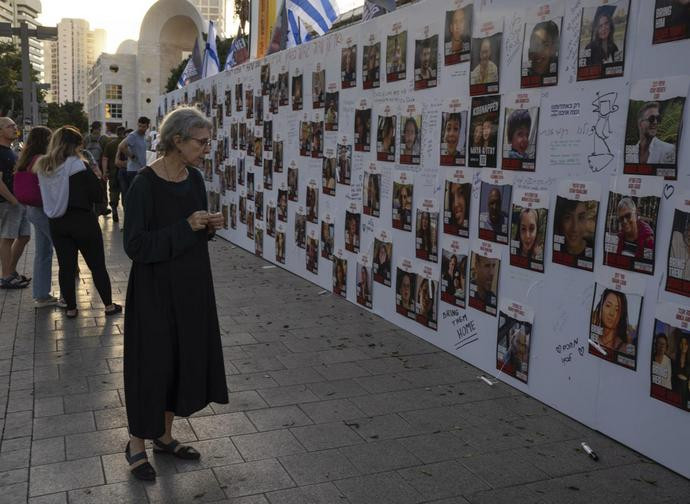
(180, 121)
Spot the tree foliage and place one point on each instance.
(222, 47)
(69, 113)
(10, 75)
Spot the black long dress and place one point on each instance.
(173, 358)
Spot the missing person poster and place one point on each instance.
(614, 322)
(327, 236)
(385, 133)
(250, 220)
(454, 274)
(670, 370)
(453, 145)
(300, 227)
(485, 265)
(515, 322)
(312, 251)
(268, 174)
(521, 127)
(426, 297)
(292, 182)
(371, 64)
(485, 60)
(259, 240)
(603, 28)
(494, 206)
(318, 87)
(631, 221)
(340, 274)
(383, 255)
(411, 134)
(363, 127)
(332, 105)
(528, 228)
(652, 132)
(485, 114)
(671, 21)
(364, 281)
(403, 189)
(313, 202)
(405, 289)
(305, 136)
(283, 87)
(317, 136)
(456, 204)
(458, 33)
(353, 217)
(426, 60)
(280, 244)
(328, 173)
(278, 154)
(575, 223)
(282, 206)
(678, 272)
(271, 218)
(541, 45)
(396, 54)
(372, 191)
(426, 231)
(348, 65)
(344, 153)
(297, 90)
(238, 97)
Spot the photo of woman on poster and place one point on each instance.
(540, 54)
(405, 293)
(352, 222)
(372, 196)
(340, 277)
(370, 66)
(426, 239)
(385, 138)
(402, 206)
(426, 302)
(292, 180)
(364, 285)
(614, 321)
(383, 252)
(426, 62)
(453, 135)
(396, 57)
(344, 163)
(348, 67)
(453, 278)
(456, 213)
(363, 130)
(410, 139)
(574, 232)
(457, 35)
(528, 237)
(297, 92)
(602, 41)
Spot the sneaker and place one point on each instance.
(61, 303)
(47, 301)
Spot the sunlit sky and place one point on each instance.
(120, 18)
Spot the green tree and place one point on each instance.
(222, 47)
(69, 113)
(10, 75)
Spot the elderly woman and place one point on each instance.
(173, 360)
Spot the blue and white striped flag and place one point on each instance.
(309, 18)
(238, 53)
(192, 70)
(211, 65)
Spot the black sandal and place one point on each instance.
(145, 471)
(114, 311)
(184, 452)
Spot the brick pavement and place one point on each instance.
(328, 404)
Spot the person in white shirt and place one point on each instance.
(486, 72)
(649, 149)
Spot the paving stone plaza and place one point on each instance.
(328, 404)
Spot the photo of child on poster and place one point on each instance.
(238, 97)
(456, 207)
(396, 56)
(631, 221)
(513, 339)
(653, 128)
(575, 224)
(602, 39)
(485, 264)
(528, 229)
(271, 219)
(411, 137)
(259, 205)
(456, 47)
(454, 276)
(521, 125)
(383, 254)
(283, 88)
(233, 216)
(278, 156)
(426, 62)
(243, 209)
(484, 131)
(453, 138)
(282, 205)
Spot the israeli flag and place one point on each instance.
(309, 19)
(238, 52)
(210, 66)
(192, 69)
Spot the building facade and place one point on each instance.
(17, 11)
(112, 97)
(213, 10)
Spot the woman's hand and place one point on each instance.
(198, 220)
(215, 221)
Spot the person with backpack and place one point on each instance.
(94, 148)
(28, 192)
(69, 190)
(111, 169)
(134, 148)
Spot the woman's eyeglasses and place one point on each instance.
(203, 142)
